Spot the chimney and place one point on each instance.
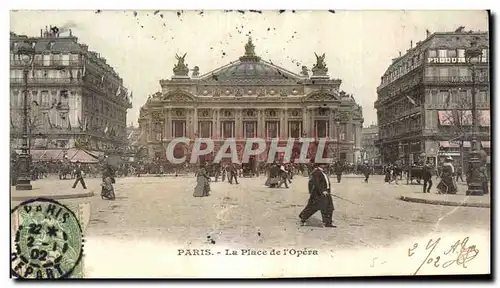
(41, 33)
(411, 44)
(70, 33)
(399, 53)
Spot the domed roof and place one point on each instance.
(251, 70)
(249, 67)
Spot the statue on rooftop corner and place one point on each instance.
(196, 71)
(319, 69)
(181, 69)
(249, 48)
(305, 71)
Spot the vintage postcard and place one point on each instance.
(249, 143)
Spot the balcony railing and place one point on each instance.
(39, 63)
(455, 79)
(46, 80)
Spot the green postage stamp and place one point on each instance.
(47, 241)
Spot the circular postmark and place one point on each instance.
(48, 242)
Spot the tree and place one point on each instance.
(458, 117)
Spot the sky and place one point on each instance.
(141, 45)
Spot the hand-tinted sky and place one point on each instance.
(141, 45)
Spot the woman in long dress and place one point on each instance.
(447, 184)
(108, 179)
(202, 188)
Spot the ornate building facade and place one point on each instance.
(425, 99)
(252, 98)
(369, 150)
(75, 97)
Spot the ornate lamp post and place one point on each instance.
(473, 57)
(25, 54)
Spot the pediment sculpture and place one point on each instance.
(320, 69)
(181, 68)
(261, 92)
(179, 98)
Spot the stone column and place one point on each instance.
(237, 123)
(195, 122)
(151, 125)
(285, 124)
(263, 123)
(217, 123)
(331, 123)
(304, 122)
(312, 132)
(259, 124)
(214, 121)
(168, 123)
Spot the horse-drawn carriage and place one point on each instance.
(415, 173)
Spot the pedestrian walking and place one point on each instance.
(338, 170)
(283, 177)
(79, 176)
(447, 184)
(233, 173)
(427, 177)
(319, 198)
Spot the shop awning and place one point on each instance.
(486, 144)
(83, 157)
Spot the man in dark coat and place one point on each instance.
(233, 173)
(366, 171)
(79, 176)
(427, 177)
(338, 170)
(319, 198)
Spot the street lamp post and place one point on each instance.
(25, 54)
(473, 56)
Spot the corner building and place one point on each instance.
(251, 98)
(74, 95)
(425, 99)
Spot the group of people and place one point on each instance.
(203, 179)
(447, 173)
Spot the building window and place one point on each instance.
(46, 59)
(432, 54)
(159, 131)
(179, 128)
(481, 97)
(321, 128)
(484, 56)
(64, 97)
(452, 53)
(249, 129)
(443, 72)
(65, 59)
(295, 129)
(227, 129)
(463, 71)
(205, 129)
(444, 97)
(45, 98)
(434, 97)
(431, 71)
(443, 53)
(461, 53)
(272, 129)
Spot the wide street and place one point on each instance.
(165, 208)
(153, 217)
